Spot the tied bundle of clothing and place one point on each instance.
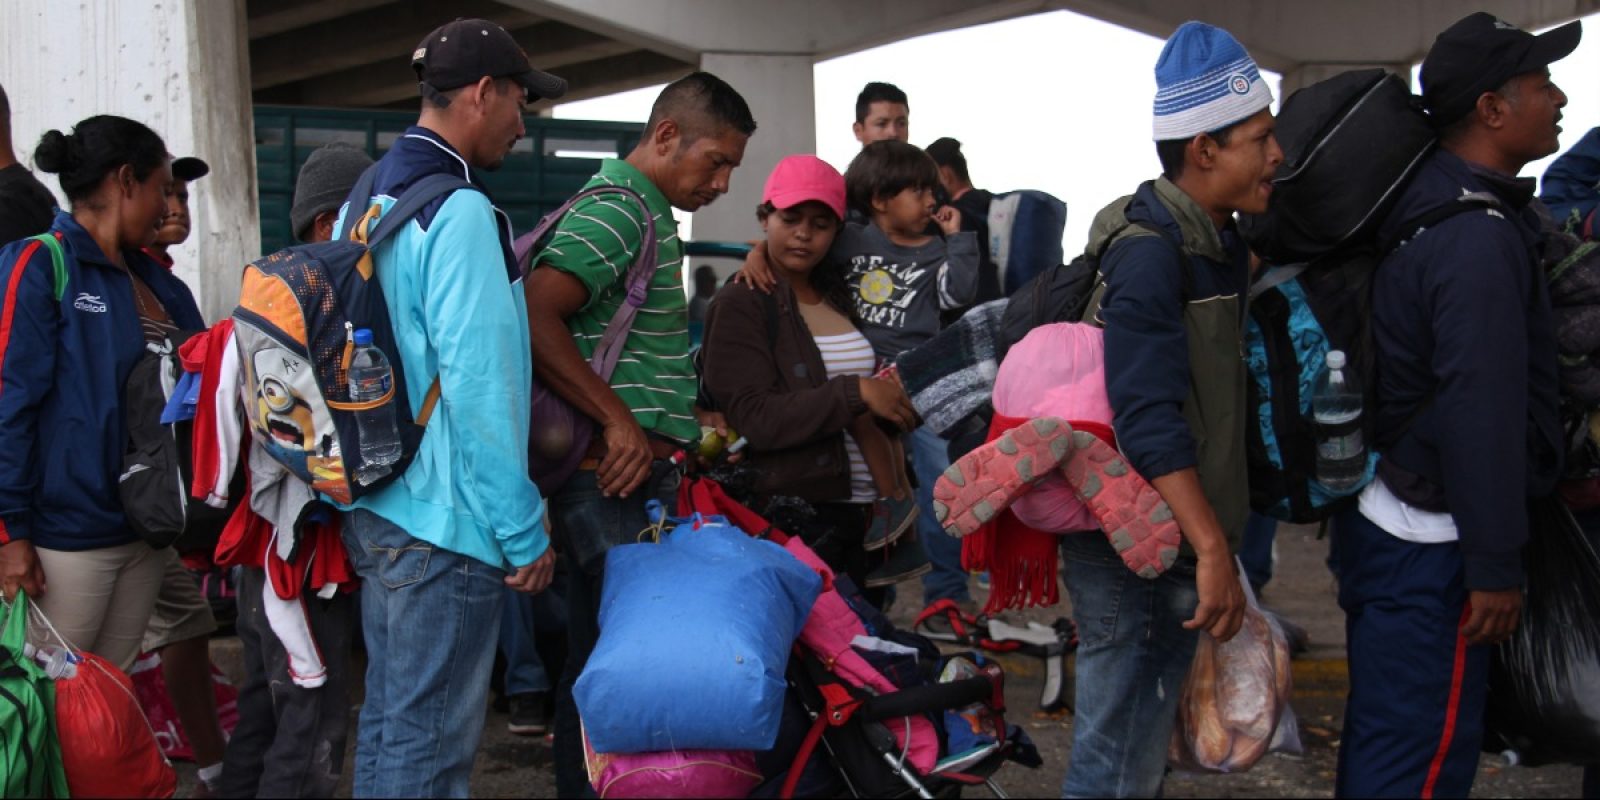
(284, 529)
(1056, 370)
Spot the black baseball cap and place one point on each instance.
(189, 168)
(466, 50)
(1479, 54)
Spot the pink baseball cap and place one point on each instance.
(801, 178)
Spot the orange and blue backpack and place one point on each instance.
(295, 325)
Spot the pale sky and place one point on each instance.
(1065, 98)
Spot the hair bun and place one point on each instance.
(54, 153)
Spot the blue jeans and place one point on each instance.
(579, 510)
(430, 618)
(1255, 550)
(1133, 654)
(525, 615)
(930, 457)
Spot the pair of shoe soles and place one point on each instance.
(984, 482)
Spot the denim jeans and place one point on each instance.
(1255, 550)
(1133, 654)
(520, 626)
(930, 457)
(586, 521)
(431, 618)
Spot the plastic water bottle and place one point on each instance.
(370, 379)
(1336, 410)
(57, 663)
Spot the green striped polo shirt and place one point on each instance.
(596, 243)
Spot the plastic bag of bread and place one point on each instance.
(1234, 705)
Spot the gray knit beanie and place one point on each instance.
(325, 181)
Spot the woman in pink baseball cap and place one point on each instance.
(793, 374)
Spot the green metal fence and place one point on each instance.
(555, 159)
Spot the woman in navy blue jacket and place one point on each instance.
(65, 355)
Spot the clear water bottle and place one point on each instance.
(58, 664)
(370, 379)
(1336, 410)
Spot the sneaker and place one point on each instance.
(1137, 522)
(905, 560)
(891, 518)
(528, 714)
(984, 482)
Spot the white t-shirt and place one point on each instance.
(851, 354)
(1404, 521)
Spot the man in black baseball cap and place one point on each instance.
(1466, 406)
(461, 52)
(1479, 54)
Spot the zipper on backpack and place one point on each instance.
(349, 347)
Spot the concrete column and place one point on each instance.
(179, 66)
(779, 91)
(1303, 75)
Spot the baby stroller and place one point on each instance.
(875, 711)
(853, 729)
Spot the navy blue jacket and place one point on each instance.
(1461, 312)
(62, 370)
(1147, 348)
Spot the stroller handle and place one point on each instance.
(927, 699)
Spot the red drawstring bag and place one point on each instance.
(106, 744)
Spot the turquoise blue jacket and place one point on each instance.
(458, 312)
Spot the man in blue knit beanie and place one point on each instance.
(1175, 276)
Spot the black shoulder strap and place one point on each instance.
(1415, 226)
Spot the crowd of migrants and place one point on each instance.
(465, 547)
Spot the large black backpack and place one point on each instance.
(1351, 144)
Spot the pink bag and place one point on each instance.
(1057, 370)
(151, 688)
(685, 773)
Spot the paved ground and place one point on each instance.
(510, 766)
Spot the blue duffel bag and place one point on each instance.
(694, 634)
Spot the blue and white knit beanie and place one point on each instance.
(1205, 81)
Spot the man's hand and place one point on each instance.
(20, 569)
(949, 220)
(1220, 611)
(886, 400)
(756, 273)
(627, 460)
(533, 578)
(1492, 616)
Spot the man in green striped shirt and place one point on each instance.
(695, 137)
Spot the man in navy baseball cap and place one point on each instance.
(461, 52)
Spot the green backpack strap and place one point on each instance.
(58, 259)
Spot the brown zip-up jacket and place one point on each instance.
(766, 375)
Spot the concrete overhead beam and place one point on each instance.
(685, 29)
(551, 46)
(634, 70)
(364, 38)
(272, 17)
(1282, 34)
